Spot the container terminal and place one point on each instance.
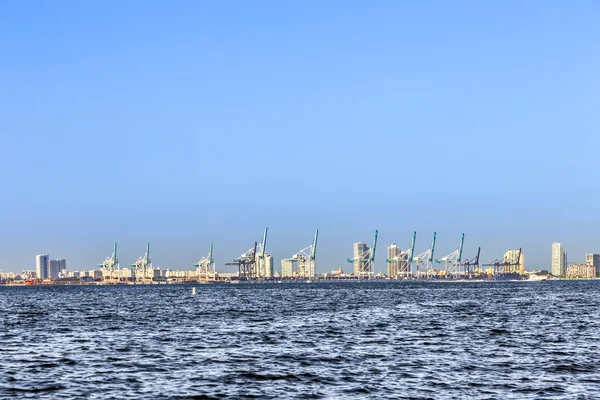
(256, 266)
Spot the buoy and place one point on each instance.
(194, 291)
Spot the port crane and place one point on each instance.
(500, 266)
(472, 265)
(507, 264)
(405, 258)
(110, 265)
(424, 261)
(143, 267)
(252, 261)
(306, 259)
(206, 271)
(452, 261)
(366, 260)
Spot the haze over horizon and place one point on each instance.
(191, 122)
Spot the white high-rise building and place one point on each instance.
(265, 266)
(559, 259)
(41, 266)
(53, 269)
(287, 268)
(518, 265)
(360, 260)
(593, 259)
(393, 255)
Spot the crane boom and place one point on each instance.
(314, 246)
(412, 248)
(264, 244)
(460, 249)
(147, 253)
(432, 247)
(374, 246)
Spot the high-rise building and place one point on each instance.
(593, 259)
(41, 266)
(393, 255)
(517, 266)
(360, 260)
(559, 259)
(287, 268)
(53, 269)
(265, 266)
(62, 264)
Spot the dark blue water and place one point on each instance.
(344, 340)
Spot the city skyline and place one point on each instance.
(382, 265)
(443, 117)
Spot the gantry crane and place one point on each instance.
(452, 260)
(110, 265)
(143, 267)
(251, 262)
(365, 261)
(206, 271)
(500, 266)
(306, 259)
(472, 265)
(424, 261)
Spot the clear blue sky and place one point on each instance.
(182, 123)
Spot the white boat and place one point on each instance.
(537, 278)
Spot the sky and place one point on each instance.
(188, 122)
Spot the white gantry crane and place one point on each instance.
(306, 259)
(364, 259)
(452, 261)
(143, 267)
(206, 271)
(109, 266)
(252, 263)
(424, 261)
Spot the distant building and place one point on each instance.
(393, 260)
(53, 269)
(593, 259)
(306, 267)
(287, 268)
(41, 266)
(62, 265)
(559, 259)
(586, 271)
(360, 258)
(265, 266)
(518, 265)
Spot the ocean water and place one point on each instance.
(379, 340)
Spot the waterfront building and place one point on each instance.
(265, 266)
(41, 266)
(593, 259)
(393, 256)
(306, 267)
(62, 265)
(559, 259)
(54, 268)
(585, 271)
(360, 258)
(287, 268)
(7, 275)
(518, 265)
